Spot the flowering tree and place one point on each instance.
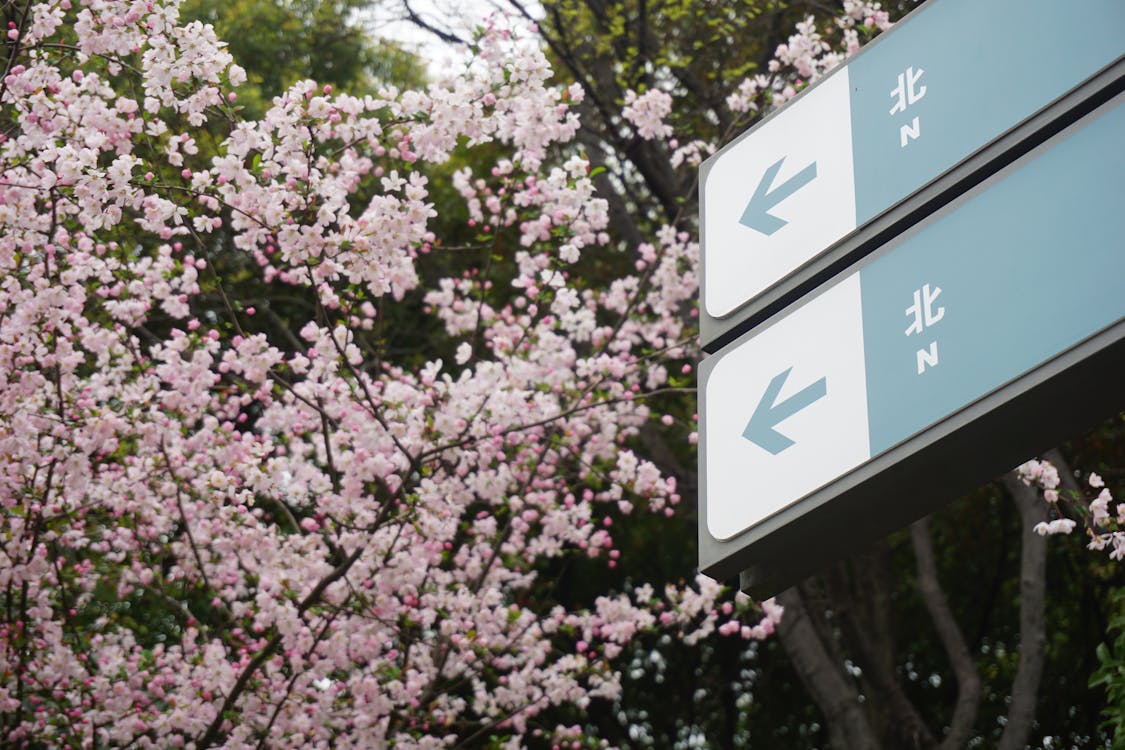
(243, 519)
(222, 526)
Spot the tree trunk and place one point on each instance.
(952, 639)
(823, 678)
(1033, 636)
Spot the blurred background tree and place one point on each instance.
(280, 42)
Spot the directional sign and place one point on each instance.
(756, 216)
(1012, 275)
(761, 431)
(949, 79)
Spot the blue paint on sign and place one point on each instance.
(1027, 267)
(958, 74)
(757, 214)
(769, 412)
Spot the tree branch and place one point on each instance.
(906, 729)
(1033, 636)
(1072, 490)
(417, 20)
(848, 727)
(952, 639)
(214, 731)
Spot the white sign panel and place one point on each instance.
(786, 412)
(778, 199)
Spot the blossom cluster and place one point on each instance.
(808, 55)
(1102, 516)
(647, 112)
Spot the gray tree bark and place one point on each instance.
(823, 678)
(1033, 632)
(952, 639)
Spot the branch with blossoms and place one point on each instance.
(1091, 502)
(809, 55)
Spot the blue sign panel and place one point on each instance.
(1024, 270)
(959, 73)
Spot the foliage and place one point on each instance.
(1110, 674)
(280, 43)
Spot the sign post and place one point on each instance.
(930, 354)
(921, 100)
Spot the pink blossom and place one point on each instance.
(647, 112)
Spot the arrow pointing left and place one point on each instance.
(769, 413)
(757, 214)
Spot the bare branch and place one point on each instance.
(1033, 636)
(848, 726)
(446, 36)
(952, 639)
(907, 728)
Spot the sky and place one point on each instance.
(387, 19)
